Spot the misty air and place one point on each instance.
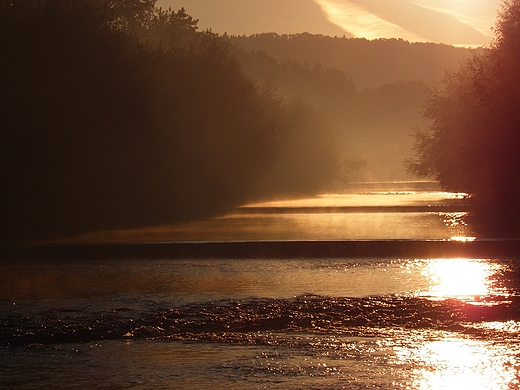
(259, 194)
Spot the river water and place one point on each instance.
(367, 211)
(277, 323)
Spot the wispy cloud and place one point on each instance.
(453, 22)
(361, 23)
(480, 14)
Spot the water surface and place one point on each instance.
(300, 323)
(277, 323)
(367, 211)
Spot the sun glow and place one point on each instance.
(458, 278)
(361, 23)
(462, 22)
(456, 363)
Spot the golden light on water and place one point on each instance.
(457, 363)
(458, 278)
(457, 195)
(462, 238)
(454, 361)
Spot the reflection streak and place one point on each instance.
(455, 361)
(458, 278)
(461, 364)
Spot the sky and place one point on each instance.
(454, 22)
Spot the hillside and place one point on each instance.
(368, 63)
(369, 92)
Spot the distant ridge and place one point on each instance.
(369, 63)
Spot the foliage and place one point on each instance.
(368, 63)
(322, 87)
(369, 125)
(117, 114)
(473, 142)
(308, 160)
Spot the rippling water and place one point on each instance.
(299, 323)
(325, 323)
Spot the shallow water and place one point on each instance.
(298, 323)
(325, 323)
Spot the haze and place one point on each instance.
(142, 124)
(454, 22)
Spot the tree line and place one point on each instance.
(368, 63)
(472, 140)
(120, 114)
(370, 126)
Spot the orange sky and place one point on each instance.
(458, 22)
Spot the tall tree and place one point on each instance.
(473, 141)
(117, 114)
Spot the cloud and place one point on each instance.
(479, 14)
(361, 23)
(463, 22)
(413, 20)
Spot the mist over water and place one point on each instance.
(365, 211)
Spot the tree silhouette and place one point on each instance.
(473, 142)
(117, 114)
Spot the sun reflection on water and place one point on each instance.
(462, 239)
(458, 363)
(458, 278)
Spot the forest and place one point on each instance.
(371, 122)
(368, 63)
(471, 142)
(120, 114)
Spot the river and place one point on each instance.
(388, 322)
